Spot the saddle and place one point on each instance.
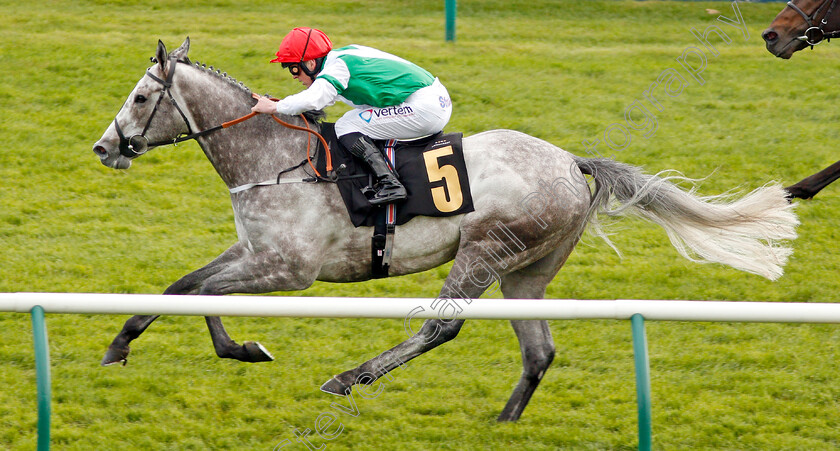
(431, 169)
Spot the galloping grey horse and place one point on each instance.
(526, 221)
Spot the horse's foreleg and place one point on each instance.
(119, 349)
(226, 348)
(811, 185)
(251, 273)
(193, 283)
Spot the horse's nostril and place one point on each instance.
(100, 150)
(770, 35)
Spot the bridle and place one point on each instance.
(136, 145)
(815, 34)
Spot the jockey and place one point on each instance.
(391, 98)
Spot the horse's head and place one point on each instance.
(149, 117)
(801, 24)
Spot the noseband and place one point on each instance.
(815, 34)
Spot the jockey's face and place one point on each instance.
(300, 75)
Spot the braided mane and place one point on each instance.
(221, 75)
(313, 116)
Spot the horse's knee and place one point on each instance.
(436, 332)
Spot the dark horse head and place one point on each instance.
(801, 24)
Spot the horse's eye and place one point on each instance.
(140, 99)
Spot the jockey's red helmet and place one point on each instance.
(303, 44)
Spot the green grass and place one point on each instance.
(562, 71)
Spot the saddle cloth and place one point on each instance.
(432, 171)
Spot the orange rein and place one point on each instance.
(294, 127)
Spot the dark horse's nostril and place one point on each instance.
(100, 150)
(769, 35)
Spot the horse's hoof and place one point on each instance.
(114, 356)
(335, 387)
(795, 192)
(256, 352)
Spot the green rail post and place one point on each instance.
(42, 372)
(450, 20)
(640, 355)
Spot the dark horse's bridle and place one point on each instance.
(815, 34)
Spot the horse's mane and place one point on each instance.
(312, 116)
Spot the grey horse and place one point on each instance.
(526, 221)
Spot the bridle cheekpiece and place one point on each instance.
(815, 34)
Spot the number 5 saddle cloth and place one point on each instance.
(431, 169)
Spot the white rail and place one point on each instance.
(636, 311)
(341, 307)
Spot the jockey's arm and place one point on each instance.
(319, 95)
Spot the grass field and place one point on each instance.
(562, 71)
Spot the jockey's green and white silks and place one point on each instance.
(391, 97)
(366, 76)
(424, 113)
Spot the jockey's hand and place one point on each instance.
(264, 105)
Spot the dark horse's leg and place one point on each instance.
(193, 283)
(811, 185)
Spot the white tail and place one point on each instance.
(748, 234)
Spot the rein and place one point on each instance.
(815, 34)
(137, 145)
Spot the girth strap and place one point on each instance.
(382, 243)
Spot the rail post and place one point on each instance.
(42, 374)
(640, 356)
(450, 20)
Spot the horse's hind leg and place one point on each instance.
(537, 347)
(534, 336)
(432, 334)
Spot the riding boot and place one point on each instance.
(388, 188)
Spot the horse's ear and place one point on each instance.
(160, 56)
(180, 53)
